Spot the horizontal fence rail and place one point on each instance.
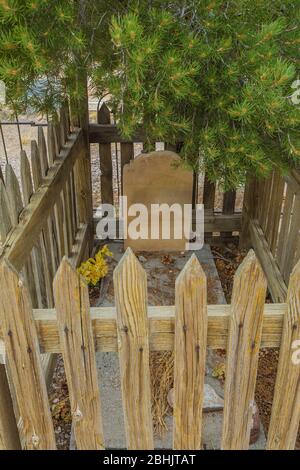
(133, 329)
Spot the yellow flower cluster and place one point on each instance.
(95, 268)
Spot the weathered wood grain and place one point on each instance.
(285, 416)
(161, 328)
(13, 194)
(292, 240)
(36, 167)
(127, 154)
(43, 151)
(5, 219)
(276, 282)
(105, 160)
(190, 355)
(22, 355)
(228, 205)
(285, 227)
(245, 331)
(51, 144)
(130, 284)
(76, 338)
(25, 234)
(26, 180)
(9, 436)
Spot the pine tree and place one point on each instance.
(215, 75)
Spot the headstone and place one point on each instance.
(158, 178)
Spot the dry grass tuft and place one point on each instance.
(162, 380)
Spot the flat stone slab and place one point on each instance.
(211, 402)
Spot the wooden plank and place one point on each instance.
(285, 416)
(292, 241)
(9, 436)
(246, 322)
(67, 219)
(277, 199)
(26, 180)
(5, 220)
(22, 355)
(44, 244)
(161, 328)
(24, 236)
(35, 276)
(82, 169)
(212, 223)
(190, 355)
(285, 227)
(71, 208)
(80, 246)
(130, 284)
(51, 144)
(127, 154)
(108, 133)
(60, 229)
(276, 282)
(43, 151)
(266, 202)
(36, 166)
(13, 194)
(76, 337)
(62, 126)
(105, 161)
(209, 193)
(250, 209)
(228, 205)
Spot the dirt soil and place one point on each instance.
(227, 259)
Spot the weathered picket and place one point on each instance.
(134, 329)
(271, 224)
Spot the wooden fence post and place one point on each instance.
(245, 329)
(209, 193)
(228, 207)
(127, 154)
(9, 436)
(5, 219)
(105, 160)
(285, 416)
(82, 169)
(190, 355)
(249, 208)
(130, 284)
(23, 358)
(77, 343)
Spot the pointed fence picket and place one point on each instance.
(78, 332)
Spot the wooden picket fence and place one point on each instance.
(271, 223)
(133, 329)
(47, 216)
(43, 217)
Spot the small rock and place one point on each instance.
(212, 401)
(255, 429)
(142, 259)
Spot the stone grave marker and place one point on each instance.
(157, 178)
